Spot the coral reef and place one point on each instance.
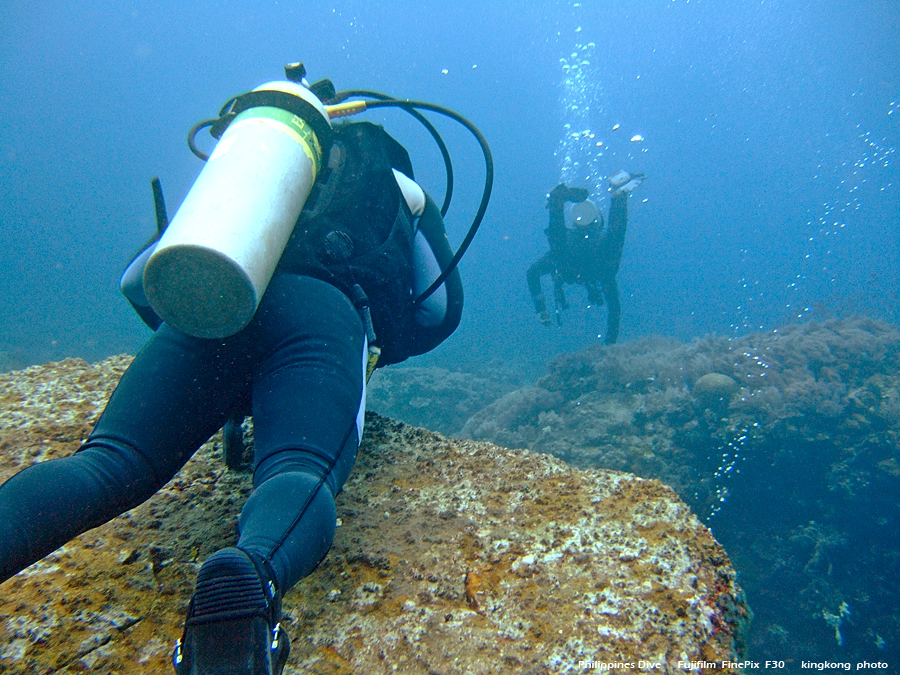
(451, 557)
(791, 452)
(714, 390)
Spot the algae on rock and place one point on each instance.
(451, 557)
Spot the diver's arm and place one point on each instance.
(431, 253)
(556, 229)
(439, 314)
(132, 285)
(540, 268)
(545, 265)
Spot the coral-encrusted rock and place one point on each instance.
(714, 389)
(452, 557)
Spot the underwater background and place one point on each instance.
(768, 132)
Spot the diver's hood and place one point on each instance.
(584, 213)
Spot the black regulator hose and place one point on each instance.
(192, 134)
(488, 180)
(218, 126)
(342, 96)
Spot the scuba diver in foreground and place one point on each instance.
(587, 254)
(362, 274)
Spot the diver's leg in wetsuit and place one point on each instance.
(308, 407)
(308, 403)
(618, 224)
(613, 308)
(546, 264)
(171, 399)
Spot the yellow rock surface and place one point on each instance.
(451, 557)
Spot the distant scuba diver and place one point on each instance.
(362, 275)
(587, 254)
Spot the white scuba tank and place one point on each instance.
(212, 265)
(584, 213)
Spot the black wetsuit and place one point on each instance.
(589, 256)
(298, 368)
(300, 361)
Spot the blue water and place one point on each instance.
(769, 131)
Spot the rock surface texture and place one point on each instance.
(451, 557)
(786, 442)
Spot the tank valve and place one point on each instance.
(295, 72)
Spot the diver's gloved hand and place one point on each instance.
(233, 624)
(563, 193)
(624, 182)
(557, 196)
(577, 194)
(544, 317)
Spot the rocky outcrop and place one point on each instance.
(451, 557)
(786, 442)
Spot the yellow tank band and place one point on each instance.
(286, 122)
(372, 360)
